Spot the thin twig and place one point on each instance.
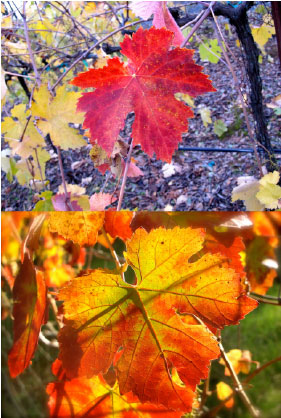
(19, 75)
(67, 200)
(93, 47)
(271, 300)
(37, 76)
(237, 384)
(206, 391)
(125, 175)
(40, 169)
(260, 369)
(25, 128)
(196, 26)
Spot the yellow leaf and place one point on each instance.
(263, 33)
(45, 30)
(80, 227)
(74, 189)
(83, 202)
(234, 357)
(24, 175)
(3, 85)
(15, 126)
(269, 192)
(205, 114)
(90, 7)
(247, 190)
(186, 98)
(58, 112)
(7, 22)
(223, 392)
(241, 361)
(245, 362)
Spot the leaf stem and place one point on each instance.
(112, 251)
(237, 384)
(125, 175)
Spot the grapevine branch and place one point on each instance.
(221, 39)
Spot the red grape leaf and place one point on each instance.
(99, 201)
(162, 17)
(30, 308)
(147, 86)
(103, 313)
(60, 204)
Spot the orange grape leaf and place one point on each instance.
(80, 227)
(117, 224)
(240, 360)
(147, 86)
(30, 308)
(232, 252)
(259, 275)
(103, 313)
(264, 227)
(94, 398)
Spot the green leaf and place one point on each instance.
(219, 127)
(210, 51)
(46, 204)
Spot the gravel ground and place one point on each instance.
(201, 181)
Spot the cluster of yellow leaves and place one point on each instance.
(55, 114)
(45, 29)
(25, 129)
(259, 194)
(53, 254)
